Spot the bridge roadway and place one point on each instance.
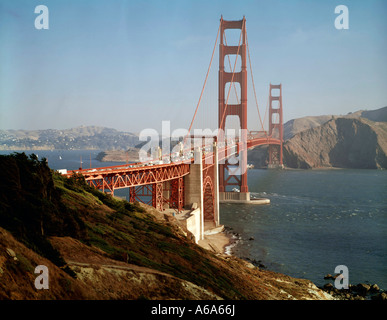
(192, 180)
(110, 178)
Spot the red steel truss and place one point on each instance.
(141, 180)
(177, 193)
(111, 178)
(157, 196)
(208, 161)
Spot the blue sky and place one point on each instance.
(131, 64)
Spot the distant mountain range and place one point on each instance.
(355, 140)
(80, 138)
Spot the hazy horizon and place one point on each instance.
(136, 132)
(128, 65)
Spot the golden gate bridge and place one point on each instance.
(209, 167)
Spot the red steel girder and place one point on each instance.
(177, 194)
(157, 196)
(208, 199)
(118, 177)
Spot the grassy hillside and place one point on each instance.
(103, 248)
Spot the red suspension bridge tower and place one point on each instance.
(226, 178)
(275, 125)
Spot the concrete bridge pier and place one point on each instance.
(194, 195)
(234, 196)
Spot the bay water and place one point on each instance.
(317, 219)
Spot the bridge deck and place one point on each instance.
(138, 174)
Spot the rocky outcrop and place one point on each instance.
(360, 291)
(259, 156)
(340, 142)
(130, 155)
(294, 126)
(355, 140)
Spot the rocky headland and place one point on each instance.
(356, 140)
(339, 142)
(128, 156)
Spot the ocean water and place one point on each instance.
(317, 220)
(73, 160)
(68, 159)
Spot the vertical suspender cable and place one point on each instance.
(252, 80)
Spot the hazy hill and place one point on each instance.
(84, 137)
(379, 115)
(355, 140)
(340, 142)
(295, 126)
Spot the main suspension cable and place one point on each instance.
(204, 85)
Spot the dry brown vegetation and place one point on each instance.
(98, 247)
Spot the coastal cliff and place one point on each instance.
(130, 155)
(356, 140)
(340, 142)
